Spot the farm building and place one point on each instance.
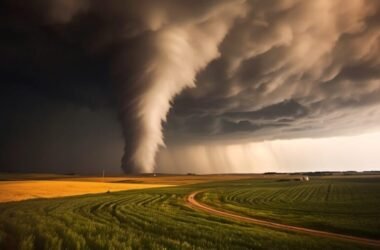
(305, 178)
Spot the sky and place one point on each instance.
(214, 86)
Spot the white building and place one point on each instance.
(305, 178)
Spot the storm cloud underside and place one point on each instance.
(234, 71)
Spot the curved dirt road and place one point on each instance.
(194, 203)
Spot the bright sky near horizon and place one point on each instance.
(358, 152)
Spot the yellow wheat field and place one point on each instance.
(22, 190)
(16, 187)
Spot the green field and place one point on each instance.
(161, 219)
(346, 205)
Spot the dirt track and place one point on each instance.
(364, 241)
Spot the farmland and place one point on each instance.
(22, 190)
(160, 218)
(349, 206)
(14, 187)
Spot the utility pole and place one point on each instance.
(103, 174)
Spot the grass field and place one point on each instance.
(160, 218)
(344, 205)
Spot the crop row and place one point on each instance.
(138, 219)
(346, 206)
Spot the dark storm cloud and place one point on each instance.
(289, 69)
(145, 44)
(256, 69)
(36, 58)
